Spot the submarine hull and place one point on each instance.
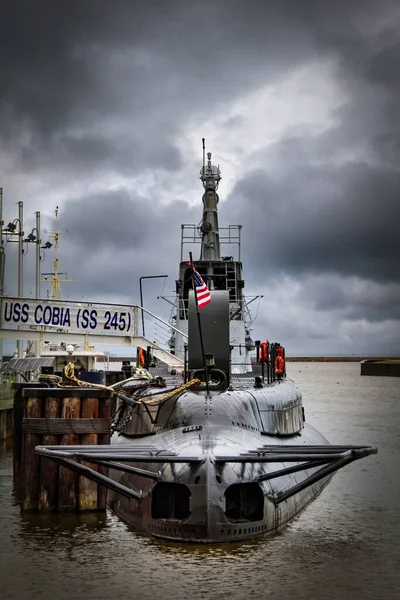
(211, 468)
(214, 500)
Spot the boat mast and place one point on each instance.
(210, 176)
(56, 292)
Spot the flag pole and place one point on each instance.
(199, 322)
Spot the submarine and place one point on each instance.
(219, 451)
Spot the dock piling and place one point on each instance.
(61, 416)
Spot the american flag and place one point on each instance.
(202, 291)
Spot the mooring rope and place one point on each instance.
(69, 373)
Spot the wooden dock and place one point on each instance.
(58, 416)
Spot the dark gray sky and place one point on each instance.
(102, 109)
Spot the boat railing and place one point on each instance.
(191, 234)
(263, 370)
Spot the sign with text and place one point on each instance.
(72, 317)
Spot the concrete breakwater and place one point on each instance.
(381, 368)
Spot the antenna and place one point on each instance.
(204, 155)
(56, 292)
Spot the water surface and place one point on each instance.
(344, 545)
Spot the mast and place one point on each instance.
(56, 292)
(210, 176)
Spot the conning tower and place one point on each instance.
(220, 273)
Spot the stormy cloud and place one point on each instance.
(102, 111)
